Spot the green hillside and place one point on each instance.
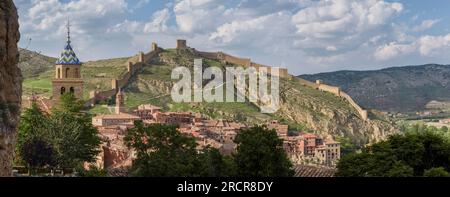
(38, 73)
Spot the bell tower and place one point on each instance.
(67, 72)
(119, 102)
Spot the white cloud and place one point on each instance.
(199, 15)
(49, 16)
(329, 18)
(426, 24)
(127, 26)
(430, 45)
(344, 24)
(44, 22)
(393, 50)
(426, 46)
(158, 23)
(141, 3)
(230, 31)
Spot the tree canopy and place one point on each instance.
(64, 139)
(163, 151)
(414, 152)
(260, 153)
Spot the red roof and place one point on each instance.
(309, 135)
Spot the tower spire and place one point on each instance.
(68, 30)
(68, 56)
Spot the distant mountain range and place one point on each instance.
(396, 89)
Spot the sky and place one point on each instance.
(305, 36)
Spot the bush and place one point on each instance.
(436, 172)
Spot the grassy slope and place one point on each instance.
(152, 84)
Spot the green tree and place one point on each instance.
(354, 165)
(33, 123)
(417, 149)
(37, 153)
(399, 169)
(67, 130)
(216, 165)
(69, 103)
(347, 146)
(436, 172)
(162, 151)
(260, 153)
(74, 137)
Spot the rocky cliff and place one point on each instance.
(327, 114)
(10, 84)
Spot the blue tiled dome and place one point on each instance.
(68, 56)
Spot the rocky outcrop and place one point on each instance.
(327, 114)
(10, 84)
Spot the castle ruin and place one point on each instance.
(181, 44)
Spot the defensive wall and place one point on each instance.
(244, 62)
(132, 67)
(339, 93)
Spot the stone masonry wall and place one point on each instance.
(116, 84)
(337, 92)
(244, 62)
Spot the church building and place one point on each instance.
(67, 73)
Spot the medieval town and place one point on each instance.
(304, 149)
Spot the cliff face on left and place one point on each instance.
(10, 84)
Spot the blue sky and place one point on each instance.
(306, 36)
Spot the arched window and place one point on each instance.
(72, 90)
(67, 72)
(77, 75)
(63, 90)
(59, 73)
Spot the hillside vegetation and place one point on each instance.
(37, 70)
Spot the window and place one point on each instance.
(72, 90)
(67, 72)
(63, 90)
(76, 73)
(59, 73)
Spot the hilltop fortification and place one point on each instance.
(143, 59)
